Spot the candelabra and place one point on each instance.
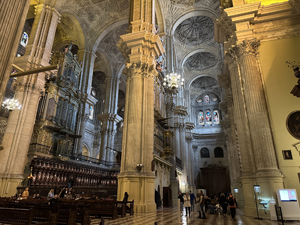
(11, 104)
(173, 80)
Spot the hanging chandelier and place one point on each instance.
(11, 104)
(173, 81)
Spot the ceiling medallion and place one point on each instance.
(201, 61)
(195, 30)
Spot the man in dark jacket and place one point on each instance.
(193, 199)
(202, 205)
(223, 204)
(232, 205)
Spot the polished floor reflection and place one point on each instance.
(170, 216)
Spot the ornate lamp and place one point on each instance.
(11, 104)
(173, 81)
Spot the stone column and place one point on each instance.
(242, 126)
(268, 175)
(16, 140)
(88, 59)
(140, 47)
(83, 118)
(13, 14)
(109, 119)
(189, 160)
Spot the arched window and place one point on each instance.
(200, 118)
(216, 117)
(208, 116)
(206, 99)
(91, 113)
(24, 39)
(204, 152)
(219, 152)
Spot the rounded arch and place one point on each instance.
(120, 71)
(69, 30)
(200, 12)
(104, 32)
(189, 83)
(219, 153)
(204, 153)
(102, 56)
(211, 50)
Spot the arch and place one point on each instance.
(204, 153)
(104, 32)
(201, 95)
(69, 30)
(211, 50)
(108, 67)
(200, 12)
(219, 153)
(120, 71)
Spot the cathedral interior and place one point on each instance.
(115, 96)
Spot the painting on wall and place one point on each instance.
(293, 124)
(287, 154)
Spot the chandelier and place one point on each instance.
(173, 80)
(11, 104)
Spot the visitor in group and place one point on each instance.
(50, 194)
(223, 204)
(54, 200)
(193, 199)
(37, 196)
(25, 193)
(202, 205)
(232, 205)
(207, 202)
(68, 196)
(197, 205)
(187, 204)
(181, 201)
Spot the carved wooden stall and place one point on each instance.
(47, 173)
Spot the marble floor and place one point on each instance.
(170, 216)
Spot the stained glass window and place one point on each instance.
(206, 98)
(200, 118)
(216, 117)
(24, 39)
(208, 117)
(91, 113)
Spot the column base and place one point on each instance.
(8, 186)
(141, 189)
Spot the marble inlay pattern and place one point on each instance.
(201, 61)
(170, 216)
(195, 30)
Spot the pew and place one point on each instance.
(83, 210)
(129, 209)
(121, 206)
(19, 217)
(105, 208)
(67, 214)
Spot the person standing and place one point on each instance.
(223, 204)
(181, 201)
(187, 204)
(197, 207)
(232, 205)
(193, 199)
(202, 205)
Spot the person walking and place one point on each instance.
(193, 199)
(181, 201)
(223, 204)
(197, 205)
(232, 205)
(187, 204)
(202, 205)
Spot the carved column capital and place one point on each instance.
(140, 70)
(247, 47)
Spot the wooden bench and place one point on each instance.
(106, 208)
(67, 214)
(129, 209)
(19, 217)
(83, 210)
(121, 206)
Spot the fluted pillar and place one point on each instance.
(16, 140)
(189, 153)
(13, 16)
(140, 47)
(268, 175)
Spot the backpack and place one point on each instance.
(231, 201)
